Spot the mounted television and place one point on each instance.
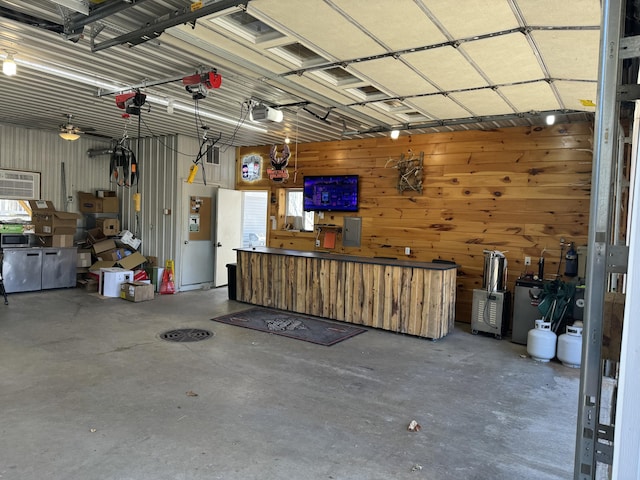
(334, 193)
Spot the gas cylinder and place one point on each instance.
(570, 346)
(541, 341)
(571, 267)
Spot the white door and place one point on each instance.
(198, 236)
(228, 231)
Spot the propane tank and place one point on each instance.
(570, 346)
(541, 341)
(571, 267)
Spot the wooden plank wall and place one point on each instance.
(518, 190)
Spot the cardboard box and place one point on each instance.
(95, 235)
(11, 228)
(88, 284)
(89, 203)
(136, 291)
(59, 241)
(128, 239)
(100, 264)
(109, 226)
(110, 280)
(103, 246)
(112, 255)
(48, 221)
(131, 261)
(83, 259)
(106, 193)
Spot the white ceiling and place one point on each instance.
(336, 68)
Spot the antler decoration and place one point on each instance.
(281, 162)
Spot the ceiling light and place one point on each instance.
(394, 134)
(287, 140)
(551, 119)
(9, 65)
(69, 136)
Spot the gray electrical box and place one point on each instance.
(351, 231)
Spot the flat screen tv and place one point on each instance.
(333, 193)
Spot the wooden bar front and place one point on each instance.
(415, 298)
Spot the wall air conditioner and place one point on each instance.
(19, 185)
(263, 113)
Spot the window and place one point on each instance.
(297, 218)
(254, 218)
(14, 211)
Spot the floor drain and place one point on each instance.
(186, 335)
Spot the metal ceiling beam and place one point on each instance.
(460, 121)
(100, 12)
(155, 29)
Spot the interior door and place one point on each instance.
(198, 234)
(228, 231)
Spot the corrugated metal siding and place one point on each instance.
(163, 163)
(45, 152)
(157, 160)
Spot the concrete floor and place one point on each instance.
(88, 390)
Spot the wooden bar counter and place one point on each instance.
(416, 298)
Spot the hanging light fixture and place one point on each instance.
(69, 136)
(9, 65)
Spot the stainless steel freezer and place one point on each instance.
(36, 268)
(59, 267)
(22, 269)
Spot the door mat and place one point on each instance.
(291, 325)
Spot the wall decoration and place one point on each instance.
(251, 167)
(279, 171)
(409, 171)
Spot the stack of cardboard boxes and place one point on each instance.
(53, 228)
(111, 260)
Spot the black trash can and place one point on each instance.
(231, 280)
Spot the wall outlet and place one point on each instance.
(317, 243)
(527, 260)
(407, 250)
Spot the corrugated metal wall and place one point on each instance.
(45, 152)
(163, 164)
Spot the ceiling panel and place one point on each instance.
(393, 76)
(537, 96)
(57, 76)
(320, 25)
(446, 67)
(468, 18)
(555, 13)
(569, 54)
(376, 17)
(482, 102)
(439, 107)
(573, 94)
(497, 57)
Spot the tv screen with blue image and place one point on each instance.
(334, 193)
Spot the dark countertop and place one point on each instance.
(350, 258)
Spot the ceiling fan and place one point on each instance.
(68, 131)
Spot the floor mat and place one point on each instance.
(291, 325)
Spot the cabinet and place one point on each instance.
(30, 269)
